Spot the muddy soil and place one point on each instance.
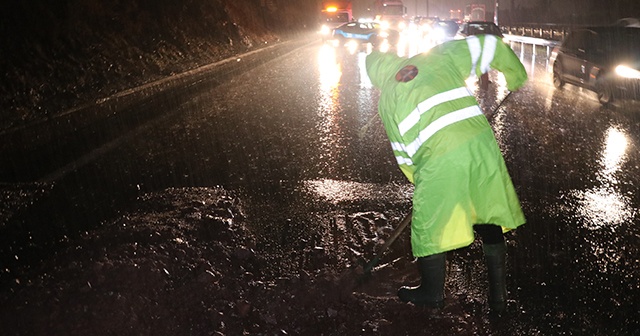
(187, 263)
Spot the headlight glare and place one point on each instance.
(627, 72)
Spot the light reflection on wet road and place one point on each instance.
(603, 205)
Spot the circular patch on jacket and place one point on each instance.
(407, 73)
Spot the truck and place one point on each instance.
(390, 13)
(456, 14)
(475, 12)
(333, 14)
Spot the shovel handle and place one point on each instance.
(396, 233)
(502, 101)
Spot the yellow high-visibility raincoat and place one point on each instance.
(442, 141)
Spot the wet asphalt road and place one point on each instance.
(299, 135)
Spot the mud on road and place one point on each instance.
(187, 263)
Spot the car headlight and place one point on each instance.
(627, 72)
(385, 25)
(324, 30)
(384, 34)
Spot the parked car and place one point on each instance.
(478, 28)
(364, 32)
(605, 60)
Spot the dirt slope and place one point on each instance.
(65, 53)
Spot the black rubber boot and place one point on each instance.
(495, 257)
(430, 293)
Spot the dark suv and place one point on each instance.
(479, 27)
(605, 60)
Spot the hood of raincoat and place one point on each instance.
(382, 67)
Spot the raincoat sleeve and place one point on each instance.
(506, 61)
(381, 69)
(478, 54)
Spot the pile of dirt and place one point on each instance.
(186, 263)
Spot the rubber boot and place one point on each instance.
(495, 257)
(430, 293)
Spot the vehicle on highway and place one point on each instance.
(423, 23)
(391, 14)
(444, 30)
(471, 28)
(605, 60)
(479, 27)
(333, 14)
(628, 22)
(364, 32)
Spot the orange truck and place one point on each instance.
(333, 14)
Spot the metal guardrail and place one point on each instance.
(537, 35)
(533, 41)
(544, 31)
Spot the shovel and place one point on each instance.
(396, 233)
(492, 115)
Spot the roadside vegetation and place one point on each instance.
(63, 53)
